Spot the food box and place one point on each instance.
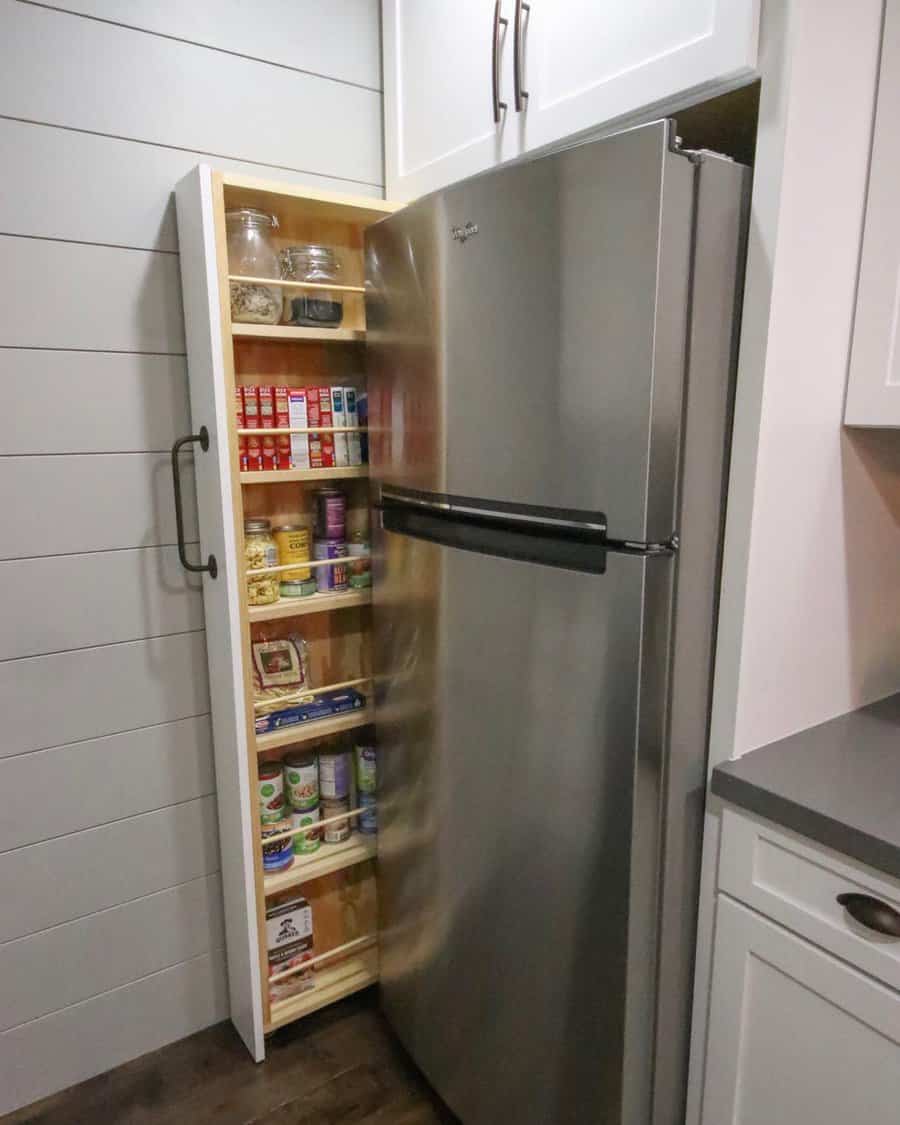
(298, 418)
(329, 703)
(239, 425)
(251, 422)
(321, 446)
(351, 415)
(289, 942)
(267, 422)
(282, 422)
(339, 418)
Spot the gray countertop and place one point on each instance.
(838, 784)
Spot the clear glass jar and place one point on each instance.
(312, 308)
(260, 549)
(251, 254)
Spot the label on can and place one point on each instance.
(368, 818)
(360, 567)
(331, 579)
(280, 854)
(331, 514)
(271, 792)
(293, 546)
(334, 776)
(301, 781)
(365, 760)
(339, 831)
(309, 841)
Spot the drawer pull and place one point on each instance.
(872, 913)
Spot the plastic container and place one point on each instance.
(312, 308)
(367, 822)
(334, 776)
(331, 579)
(277, 856)
(260, 549)
(271, 792)
(309, 842)
(301, 780)
(339, 832)
(251, 254)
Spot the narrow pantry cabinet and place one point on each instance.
(471, 84)
(318, 635)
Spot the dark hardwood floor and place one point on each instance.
(341, 1066)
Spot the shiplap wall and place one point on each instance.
(111, 936)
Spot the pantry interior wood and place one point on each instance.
(338, 880)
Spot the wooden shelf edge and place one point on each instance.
(319, 728)
(314, 603)
(292, 476)
(328, 859)
(288, 332)
(333, 984)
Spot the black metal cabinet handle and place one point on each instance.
(499, 21)
(872, 913)
(521, 96)
(210, 566)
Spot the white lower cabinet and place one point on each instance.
(796, 1036)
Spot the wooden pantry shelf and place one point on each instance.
(286, 476)
(329, 858)
(313, 731)
(332, 984)
(286, 332)
(284, 284)
(313, 603)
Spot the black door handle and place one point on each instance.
(210, 566)
(872, 913)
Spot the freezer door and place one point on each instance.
(526, 333)
(517, 907)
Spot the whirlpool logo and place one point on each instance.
(463, 234)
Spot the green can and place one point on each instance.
(308, 841)
(364, 758)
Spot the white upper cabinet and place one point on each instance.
(873, 391)
(562, 67)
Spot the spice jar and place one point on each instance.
(312, 308)
(260, 549)
(251, 254)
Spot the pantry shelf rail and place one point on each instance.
(307, 694)
(342, 561)
(303, 430)
(355, 946)
(296, 284)
(291, 833)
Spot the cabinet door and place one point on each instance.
(873, 392)
(591, 62)
(438, 92)
(794, 1034)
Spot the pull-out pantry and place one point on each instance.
(274, 305)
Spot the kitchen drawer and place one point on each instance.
(796, 883)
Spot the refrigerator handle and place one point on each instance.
(521, 96)
(499, 21)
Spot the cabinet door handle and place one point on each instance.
(521, 96)
(210, 566)
(499, 21)
(872, 913)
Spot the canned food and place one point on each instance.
(298, 589)
(334, 776)
(308, 841)
(271, 792)
(301, 780)
(364, 758)
(280, 854)
(331, 514)
(368, 818)
(331, 579)
(339, 831)
(292, 540)
(360, 566)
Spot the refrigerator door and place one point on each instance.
(517, 913)
(526, 334)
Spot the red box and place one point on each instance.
(321, 446)
(282, 422)
(239, 425)
(267, 422)
(253, 450)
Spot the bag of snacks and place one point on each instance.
(280, 673)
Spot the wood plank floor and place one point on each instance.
(341, 1066)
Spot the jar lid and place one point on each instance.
(269, 769)
(314, 253)
(256, 525)
(251, 217)
(290, 527)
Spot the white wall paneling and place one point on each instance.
(101, 502)
(103, 298)
(95, 599)
(137, 938)
(112, 191)
(51, 700)
(57, 880)
(238, 107)
(48, 1054)
(91, 402)
(294, 33)
(114, 777)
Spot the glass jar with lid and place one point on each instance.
(260, 549)
(251, 254)
(312, 308)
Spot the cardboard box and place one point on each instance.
(251, 422)
(282, 422)
(354, 444)
(267, 422)
(339, 418)
(298, 416)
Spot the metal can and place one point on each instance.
(331, 514)
(334, 776)
(339, 831)
(360, 567)
(271, 792)
(301, 780)
(331, 579)
(365, 761)
(368, 818)
(298, 589)
(309, 841)
(280, 854)
(293, 546)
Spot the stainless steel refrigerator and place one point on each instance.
(550, 358)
